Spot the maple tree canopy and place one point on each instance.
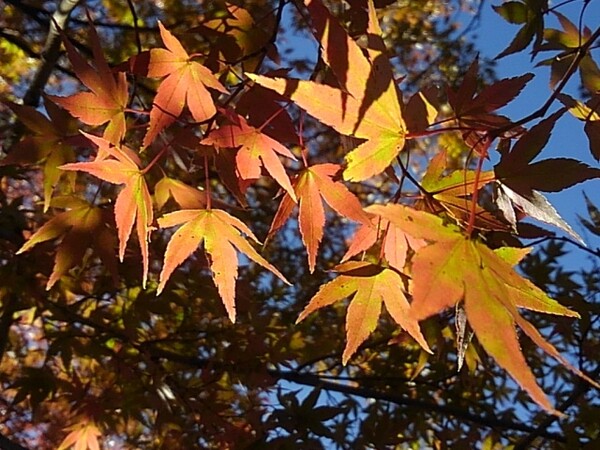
(327, 197)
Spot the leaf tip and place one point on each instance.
(231, 315)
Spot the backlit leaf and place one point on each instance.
(185, 83)
(51, 142)
(491, 293)
(222, 237)
(255, 150)
(83, 226)
(313, 186)
(133, 204)
(84, 436)
(369, 287)
(366, 106)
(109, 94)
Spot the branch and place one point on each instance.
(487, 421)
(580, 389)
(568, 240)
(309, 379)
(582, 51)
(50, 52)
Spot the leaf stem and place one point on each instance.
(486, 145)
(303, 151)
(159, 155)
(273, 116)
(426, 133)
(136, 111)
(408, 175)
(207, 184)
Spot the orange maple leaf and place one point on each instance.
(108, 97)
(186, 82)
(455, 269)
(453, 192)
(82, 226)
(51, 141)
(84, 436)
(133, 204)
(221, 235)
(367, 106)
(395, 245)
(369, 286)
(256, 149)
(312, 186)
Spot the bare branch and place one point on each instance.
(50, 52)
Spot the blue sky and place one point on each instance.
(568, 138)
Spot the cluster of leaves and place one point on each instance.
(218, 143)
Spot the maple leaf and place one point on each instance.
(221, 235)
(312, 186)
(475, 109)
(83, 226)
(186, 82)
(186, 196)
(108, 97)
(530, 15)
(133, 204)
(520, 179)
(570, 40)
(587, 113)
(517, 171)
(83, 436)
(255, 150)
(532, 204)
(453, 193)
(396, 242)
(475, 112)
(367, 106)
(369, 286)
(456, 269)
(51, 142)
